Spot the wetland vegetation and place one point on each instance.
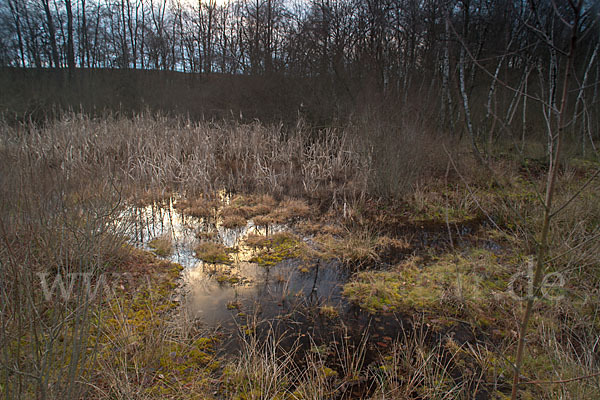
(330, 293)
(345, 199)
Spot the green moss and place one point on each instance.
(327, 372)
(175, 271)
(226, 277)
(186, 364)
(138, 321)
(234, 305)
(446, 284)
(329, 311)
(276, 248)
(375, 291)
(441, 213)
(214, 253)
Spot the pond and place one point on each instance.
(207, 296)
(298, 296)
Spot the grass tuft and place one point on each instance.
(214, 253)
(234, 222)
(273, 249)
(162, 245)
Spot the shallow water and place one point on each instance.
(266, 292)
(285, 300)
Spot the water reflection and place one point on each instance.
(216, 293)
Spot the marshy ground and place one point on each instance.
(234, 263)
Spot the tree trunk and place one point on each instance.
(466, 107)
(17, 18)
(554, 145)
(51, 33)
(70, 47)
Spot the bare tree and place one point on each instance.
(556, 130)
(70, 45)
(51, 33)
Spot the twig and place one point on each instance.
(586, 241)
(581, 189)
(579, 378)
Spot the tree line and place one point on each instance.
(481, 59)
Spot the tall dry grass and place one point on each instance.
(175, 154)
(57, 236)
(63, 188)
(163, 153)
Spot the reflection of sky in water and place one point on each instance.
(271, 290)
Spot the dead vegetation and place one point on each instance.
(448, 253)
(162, 245)
(234, 222)
(147, 152)
(356, 249)
(213, 252)
(199, 208)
